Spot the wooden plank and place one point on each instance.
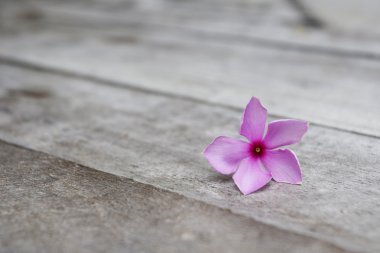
(334, 91)
(345, 26)
(158, 140)
(51, 205)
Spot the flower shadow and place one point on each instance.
(220, 178)
(226, 179)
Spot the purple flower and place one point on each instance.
(254, 163)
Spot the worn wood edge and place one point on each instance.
(21, 142)
(321, 243)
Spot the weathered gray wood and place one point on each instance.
(158, 140)
(51, 205)
(347, 26)
(335, 91)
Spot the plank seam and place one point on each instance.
(129, 86)
(185, 196)
(247, 40)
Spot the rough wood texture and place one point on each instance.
(138, 88)
(331, 90)
(51, 205)
(159, 139)
(332, 27)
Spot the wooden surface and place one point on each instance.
(324, 88)
(75, 206)
(135, 90)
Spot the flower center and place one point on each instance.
(257, 149)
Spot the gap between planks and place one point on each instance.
(325, 87)
(84, 19)
(193, 213)
(129, 86)
(162, 145)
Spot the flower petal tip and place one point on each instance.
(299, 182)
(246, 193)
(250, 177)
(225, 153)
(254, 120)
(307, 125)
(243, 191)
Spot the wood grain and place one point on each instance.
(51, 205)
(158, 140)
(342, 26)
(331, 91)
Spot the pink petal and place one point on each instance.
(225, 154)
(284, 132)
(283, 165)
(253, 124)
(251, 176)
